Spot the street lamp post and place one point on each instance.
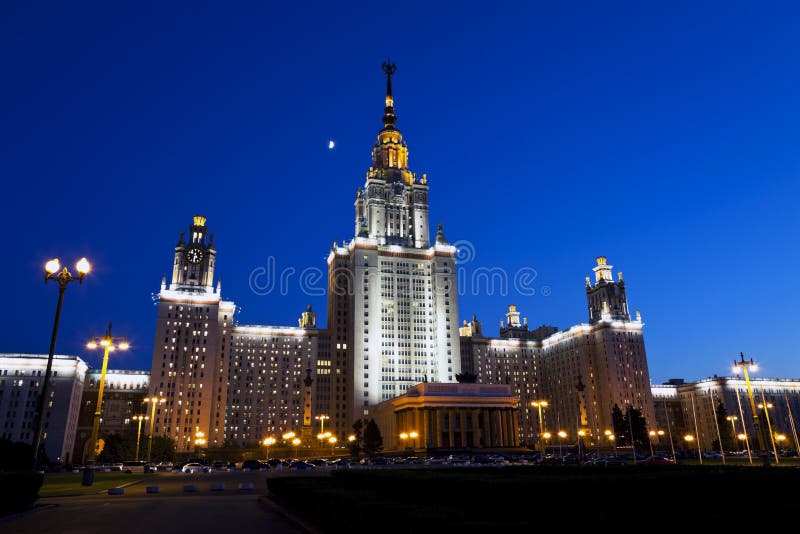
(296, 443)
(651, 435)
(540, 404)
(764, 405)
(689, 439)
(199, 441)
(612, 438)
(154, 401)
(745, 366)
(139, 418)
(63, 277)
(269, 442)
(109, 343)
(332, 440)
(546, 436)
(561, 436)
(732, 419)
(321, 419)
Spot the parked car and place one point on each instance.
(457, 459)
(194, 467)
(220, 466)
(164, 466)
(299, 465)
(136, 467)
(341, 463)
(254, 465)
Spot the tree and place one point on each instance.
(620, 426)
(373, 440)
(637, 426)
(725, 429)
(117, 448)
(356, 445)
(163, 449)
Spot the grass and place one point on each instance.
(526, 498)
(64, 484)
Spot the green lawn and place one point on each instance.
(62, 484)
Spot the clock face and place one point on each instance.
(194, 255)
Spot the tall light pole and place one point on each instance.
(540, 404)
(109, 343)
(745, 366)
(321, 419)
(732, 419)
(744, 428)
(332, 440)
(764, 405)
(153, 401)
(561, 436)
(268, 442)
(53, 272)
(296, 443)
(139, 418)
(791, 423)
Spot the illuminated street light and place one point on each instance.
(296, 442)
(332, 440)
(561, 436)
(732, 419)
(288, 436)
(109, 343)
(689, 439)
(540, 404)
(268, 442)
(321, 419)
(139, 418)
(154, 402)
(766, 406)
(744, 366)
(351, 438)
(53, 271)
(199, 441)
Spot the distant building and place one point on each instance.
(123, 397)
(21, 381)
(689, 408)
(449, 416)
(582, 372)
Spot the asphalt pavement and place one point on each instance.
(172, 510)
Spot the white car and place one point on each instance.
(195, 468)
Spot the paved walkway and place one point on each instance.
(172, 510)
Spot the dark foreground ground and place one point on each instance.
(508, 499)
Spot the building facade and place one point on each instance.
(581, 372)
(392, 308)
(189, 353)
(21, 382)
(123, 397)
(693, 408)
(450, 416)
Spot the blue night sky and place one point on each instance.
(665, 137)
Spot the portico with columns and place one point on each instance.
(450, 416)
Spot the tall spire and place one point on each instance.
(389, 117)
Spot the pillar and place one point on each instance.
(463, 420)
(439, 426)
(487, 427)
(476, 432)
(451, 427)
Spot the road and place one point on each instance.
(171, 510)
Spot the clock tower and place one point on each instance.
(190, 344)
(193, 266)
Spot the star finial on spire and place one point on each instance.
(389, 118)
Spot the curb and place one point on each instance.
(298, 523)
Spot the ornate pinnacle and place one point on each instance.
(388, 116)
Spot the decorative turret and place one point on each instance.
(440, 238)
(607, 299)
(308, 319)
(393, 205)
(193, 266)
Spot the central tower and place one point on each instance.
(392, 301)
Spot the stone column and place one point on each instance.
(463, 419)
(487, 427)
(498, 424)
(426, 437)
(515, 426)
(439, 426)
(476, 432)
(451, 427)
